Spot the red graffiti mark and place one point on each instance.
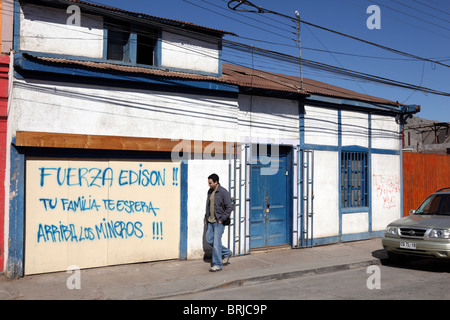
(387, 189)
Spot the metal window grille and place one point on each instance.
(354, 179)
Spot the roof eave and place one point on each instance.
(133, 16)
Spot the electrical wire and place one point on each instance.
(317, 66)
(262, 10)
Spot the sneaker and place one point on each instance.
(215, 269)
(226, 260)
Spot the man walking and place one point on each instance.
(217, 216)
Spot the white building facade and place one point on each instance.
(115, 124)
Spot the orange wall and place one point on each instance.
(423, 174)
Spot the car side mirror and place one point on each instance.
(412, 211)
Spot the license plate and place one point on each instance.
(408, 245)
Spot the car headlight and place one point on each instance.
(391, 230)
(439, 233)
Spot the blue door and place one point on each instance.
(269, 210)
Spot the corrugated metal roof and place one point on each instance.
(250, 78)
(164, 73)
(231, 74)
(267, 80)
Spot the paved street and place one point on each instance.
(421, 279)
(332, 272)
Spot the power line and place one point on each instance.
(434, 8)
(414, 25)
(410, 15)
(263, 10)
(421, 11)
(334, 69)
(279, 57)
(295, 46)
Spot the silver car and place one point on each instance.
(425, 232)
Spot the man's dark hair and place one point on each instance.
(214, 177)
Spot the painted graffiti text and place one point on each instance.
(101, 177)
(82, 204)
(103, 230)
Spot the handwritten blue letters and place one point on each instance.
(116, 228)
(98, 177)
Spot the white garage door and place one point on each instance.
(92, 213)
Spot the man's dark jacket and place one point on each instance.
(222, 205)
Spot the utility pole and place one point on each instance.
(297, 14)
(236, 4)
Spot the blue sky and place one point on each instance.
(419, 27)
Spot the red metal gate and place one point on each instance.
(423, 174)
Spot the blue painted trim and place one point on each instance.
(290, 194)
(354, 210)
(105, 43)
(132, 46)
(301, 113)
(320, 147)
(157, 59)
(220, 58)
(351, 103)
(16, 30)
(14, 268)
(350, 148)
(348, 237)
(362, 236)
(183, 210)
(354, 148)
(385, 151)
(22, 63)
(340, 169)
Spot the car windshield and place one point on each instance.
(435, 204)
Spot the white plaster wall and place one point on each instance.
(386, 190)
(272, 119)
(198, 172)
(385, 133)
(355, 128)
(355, 222)
(326, 193)
(98, 110)
(185, 52)
(46, 30)
(321, 126)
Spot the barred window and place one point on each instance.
(354, 179)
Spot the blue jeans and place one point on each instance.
(214, 238)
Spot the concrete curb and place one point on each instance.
(276, 277)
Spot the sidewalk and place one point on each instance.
(156, 280)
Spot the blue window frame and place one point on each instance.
(354, 179)
(130, 44)
(118, 42)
